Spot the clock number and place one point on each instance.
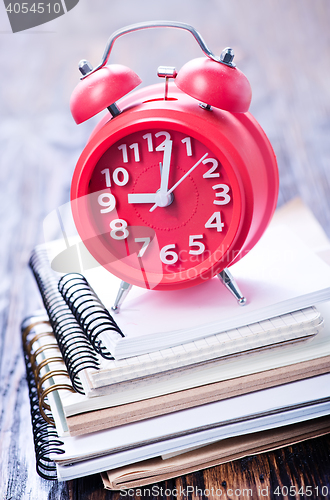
(211, 172)
(135, 148)
(192, 243)
(223, 194)
(106, 172)
(215, 222)
(187, 142)
(106, 200)
(161, 146)
(115, 176)
(123, 149)
(145, 245)
(124, 174)
(167, 256)
(148, 137)
(119, 226)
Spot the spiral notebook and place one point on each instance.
(78, 414)
(278, 276)
(164, 434)
(71, 457)
(117, 382)
(95, 458)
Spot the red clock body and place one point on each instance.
(167, 194)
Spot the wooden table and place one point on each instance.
(283, 47)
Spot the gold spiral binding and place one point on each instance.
(44, 364)
(28, 328)
(38, 336)
(49, 375)
(44, 394)
(42, 349)
(41, 380)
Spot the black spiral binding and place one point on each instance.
(76, 350)
(45, 437)
(88, 310)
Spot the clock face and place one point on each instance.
(163, 207)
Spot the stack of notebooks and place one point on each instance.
(181, 380)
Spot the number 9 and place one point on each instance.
(106, 200)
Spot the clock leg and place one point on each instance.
(227, 279)
(124, 288)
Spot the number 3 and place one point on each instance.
(223, 194)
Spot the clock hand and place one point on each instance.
(142, 198)
(163, 199)
(187, 173)
(180, 180)
(165, 171)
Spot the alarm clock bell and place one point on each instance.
(178, 182)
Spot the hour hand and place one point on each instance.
(142, 198)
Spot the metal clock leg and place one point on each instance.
(227, 279)
(124, 288)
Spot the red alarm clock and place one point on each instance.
(179, 181)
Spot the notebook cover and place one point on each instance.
(155, 470)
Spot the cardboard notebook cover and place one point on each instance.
(157, 469)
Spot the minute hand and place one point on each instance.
(180, 180)
(166, 167)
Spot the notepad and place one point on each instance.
(278, 276)
(145, 381)
(288, 328)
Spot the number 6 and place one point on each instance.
(167, 256)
